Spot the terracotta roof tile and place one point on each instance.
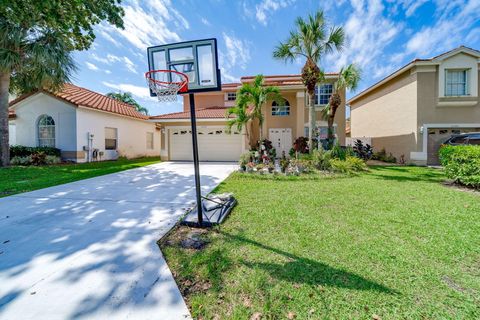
(11, 114)
(86, 98)
(204, 113)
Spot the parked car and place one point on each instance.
(464, 138)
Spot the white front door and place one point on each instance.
(281, 139)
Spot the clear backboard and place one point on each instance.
(198, 60)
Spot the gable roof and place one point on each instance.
(285, 80)
(82, 97)
(431, 61)
(204, 113)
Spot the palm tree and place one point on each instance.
(241, 120)
(127, 98)
(310, 41)
(30, 59)
(348, 78)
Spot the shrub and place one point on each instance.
(339, 152)
(23, 151)
(357, 164)
(383, 156)
(462, 164)
(244, 159)
(363, 151)
(21, 161)
(301, 145)
(52, 160)
(348, 166)
(321, 159)
(39, 158)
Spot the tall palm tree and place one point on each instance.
(311, 40)
(348, 78)
(30, 59)
(241, 120)
(128, 98)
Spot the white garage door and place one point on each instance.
(214, 144)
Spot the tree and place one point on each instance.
(348, 78)
(128, 98)
(241, 120)
(36, 43)
(311, 40)
(255, 95)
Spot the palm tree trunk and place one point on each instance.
(331, 135)
(4, 147)
(311, 120)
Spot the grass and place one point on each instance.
(394, 243)
(22, 179)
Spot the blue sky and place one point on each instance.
(381, 37)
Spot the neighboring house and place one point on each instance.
(83, 124)
(414, 110)
(282, 125)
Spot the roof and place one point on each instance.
(284, 80)
(11, 114)
(90, 99)
(204, 113)
(411, 64)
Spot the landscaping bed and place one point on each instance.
(17, 179)
(393, 243)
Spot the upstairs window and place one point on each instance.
(46, 131)
(281, 110)
(456, 83)
(111, 138)
(323, 93)
(231, 96)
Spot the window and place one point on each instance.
(231, 96)
(456, 83)
(323, 93)
(149, 140)
(281, 110)
(110, 138)
(459, 140)
(46, 131)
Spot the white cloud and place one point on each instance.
(108, 71)
(267, 7)
(205, 22)
(409, 6)
(237, 54)
(130, 65)
(368, 33)
(138, 91)
(91, 66)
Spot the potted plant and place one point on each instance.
(249, 167)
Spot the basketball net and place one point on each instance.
(166, 84)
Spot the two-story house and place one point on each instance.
(282, 125)
(414, 110)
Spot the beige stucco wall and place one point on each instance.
(29, 110)
(204, 100)
(388, 115)
(132, 133)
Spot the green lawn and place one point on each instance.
(22, 179)
(392, 244)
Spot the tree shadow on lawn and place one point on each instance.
(310, 272)
(405, 174)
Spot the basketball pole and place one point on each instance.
(196, 165)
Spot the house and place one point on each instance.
(414, 110)
(282, 125)
(83, 124)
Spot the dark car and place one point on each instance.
(464, 138)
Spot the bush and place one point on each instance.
(301, 145)
(357, 164)
(462, 164)
(21, 161)
(52, 160)
(23, 151)
(321, 159)
(363, 151)
(383, 156)
(348, 166)
(39, 158)
(342, 153)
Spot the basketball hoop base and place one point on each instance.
(214, 212)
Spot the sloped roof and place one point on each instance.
(90, 99)
(283, 80)
(204, 113)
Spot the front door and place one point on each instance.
(281, 139)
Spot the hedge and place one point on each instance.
(462, 164)
(22, 151)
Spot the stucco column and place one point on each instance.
(300, 114)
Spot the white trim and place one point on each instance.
(457, 103)
(424, 130)
(188, 120)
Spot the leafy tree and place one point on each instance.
(128, 98)
(241, 120)
(311, 40)
(36, 43)
(251, 97)
(348, 78)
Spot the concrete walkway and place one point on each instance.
(87, 250)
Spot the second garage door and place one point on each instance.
(214, 144)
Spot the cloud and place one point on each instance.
(454, 19)
(149, 23)
(267, 7)
(91, 66)
(205, 22)
(409, 6)
(130, 65)
(368, 33)
(236, 55)
(138, 91)
(111, 59)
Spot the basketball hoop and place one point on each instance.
(166, 84)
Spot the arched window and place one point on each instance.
(281, 110)
(46, 131)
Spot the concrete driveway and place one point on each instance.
(87, 250)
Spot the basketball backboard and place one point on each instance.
(197, 59)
